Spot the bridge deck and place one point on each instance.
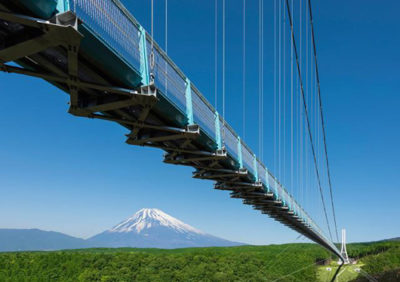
(99, 56)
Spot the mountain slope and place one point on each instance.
(35, 239)
(152, 228)
(393, 239)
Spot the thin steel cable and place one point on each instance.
(301, 269)
(152, 38)
(284, 99)
(277, 257)
(259, 77)
(216, 55)
(315, 120)
(306, 150)
(223, 64)
(279, 88)
(307, 117)
(322, 116)
(301, 116)
(275, 86)
(244, 70)
(366, 275)
(261, 80)
(298, 100)
(166, 45)
(166, 27)
(291, 117)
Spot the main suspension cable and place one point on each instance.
(322, 116)
(261, 79)
(307, 117)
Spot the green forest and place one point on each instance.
(290, 262)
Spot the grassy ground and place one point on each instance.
(347, 272)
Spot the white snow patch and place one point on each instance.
(148, 218)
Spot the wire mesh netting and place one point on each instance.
(170, 82)
(261, 172)
(248, 158)
(230, 140)
(203, 114)
(112, 25)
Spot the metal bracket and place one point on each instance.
(61, 79)
(60, 33)
(189, 158)
(62, 30)
(147, 104)
(191, 132)
(143, 97)
(234, 185)
(218, 174)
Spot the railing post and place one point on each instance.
(267, 179)
(218, 132)
(276, 189)
(255, 167)
(290, 203)
(283, 196)
(63, 6)
(240, 153)
(189, 104)
(144, 60)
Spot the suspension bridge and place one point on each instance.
(113, 70)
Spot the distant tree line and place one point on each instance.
(245, 263)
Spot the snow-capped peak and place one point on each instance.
(148, 218)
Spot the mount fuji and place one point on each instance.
(152, 228)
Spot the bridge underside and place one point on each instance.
(54, 51)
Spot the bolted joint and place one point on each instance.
(221, 152)
(193, 129)
(148, 90)
(66, 19)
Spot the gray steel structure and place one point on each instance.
(99, 56)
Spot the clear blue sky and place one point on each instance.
(77, 176)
